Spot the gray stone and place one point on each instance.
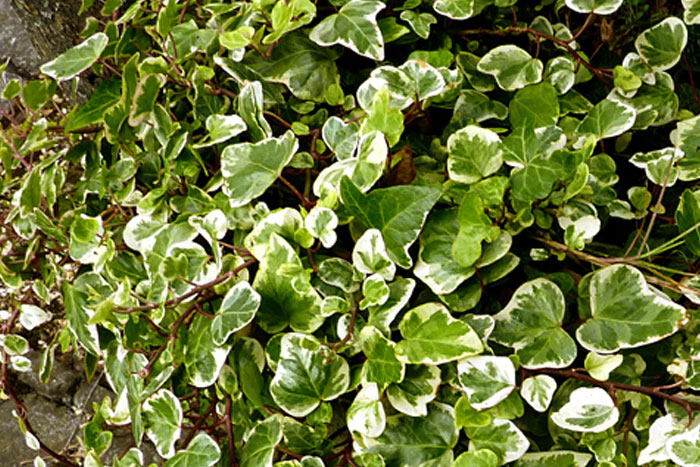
(54, 424)
(62, 384)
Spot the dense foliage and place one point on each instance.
(451, 232)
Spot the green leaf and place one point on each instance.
(411, 441)
(600, 366)
(474, 227)
(259, 448)
(221, 128)
(383, 315)
(626, 313)
(560, 72)
(607, 119)
(77, 59)
(375, 292)
(286, 17)
(588, 410)
(106, 95)
(75, 304)
(459, 9)
(250, 108)
(307, 373)
(162, 415)
(321, 223)
(355, 27)
(381, 117)
(340, 137)
(512, 67)
(432, 336)
(688, 216)
(480, 458)
(370, 256)
(538, 391)
(531, 324)
(599, 7)
(486, 380)
(305, 68)
(661, 45)
(537, 102)
(201, 452)
(692, 11)
(418, 388)
(203, 358)
(474, 153)
(436, 265)
(237, 309)
(366, 413)
(554, 459)
(501, 437)
(250, 168)
(419, 22)
(397, 212)
(475, 106)
(382, 366)
(287, 297)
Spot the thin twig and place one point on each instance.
(656, 209)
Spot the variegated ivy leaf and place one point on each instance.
(221, 128)
(375, 292)
(607, 119)
(77, 59)
(431, 335)
(202, 451)
(365, 168)
(321, 223)
(340, 273)
(370, 256)
(307, 373)
(486, 380)
(419, 22)
(661, 45)
(287, 297)
(355, 27)
(459, 9)
(414, 440)
(308, 70)
(162, 415)
(414, 79)
(501, 437)
(259, 447)
(560, 73)
(687, 217)
(250, 168)
(656, 165)
(531, 324)
(384, 118)
(141, 231)
(512, 67)
(250, 108)
(660, 432)
(600, 366)
(588, 410)
(474, 153)
(382, 316)
(554, 459)
(381, 367)
(474, 227)
(32, 316)
(599, 7)
(237, 309)
(478, 458)
(398, 212)
(85, 238)
(78, 316)
(203, 358)
(692, 11)
(538, 391)
(418, 388)
(286, 222)
(366, 413)
(626, 312)
(340, 137)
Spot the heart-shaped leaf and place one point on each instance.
(355, 27)
(661, 45)
(626, 313)
(486, 380)
(418, 388)
(531, 324)
(366, 413)
(588, 410)
(538, 391)
(512, 67)
(474, 153)
(599, 7)
(162, 415)
(259, 448)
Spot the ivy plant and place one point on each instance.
(301, 233)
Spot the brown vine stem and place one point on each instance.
(307, 203)
(587, 23)
(611, 387)
(233, 462)
(528, 30)
(196, 290)
(656, 209)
